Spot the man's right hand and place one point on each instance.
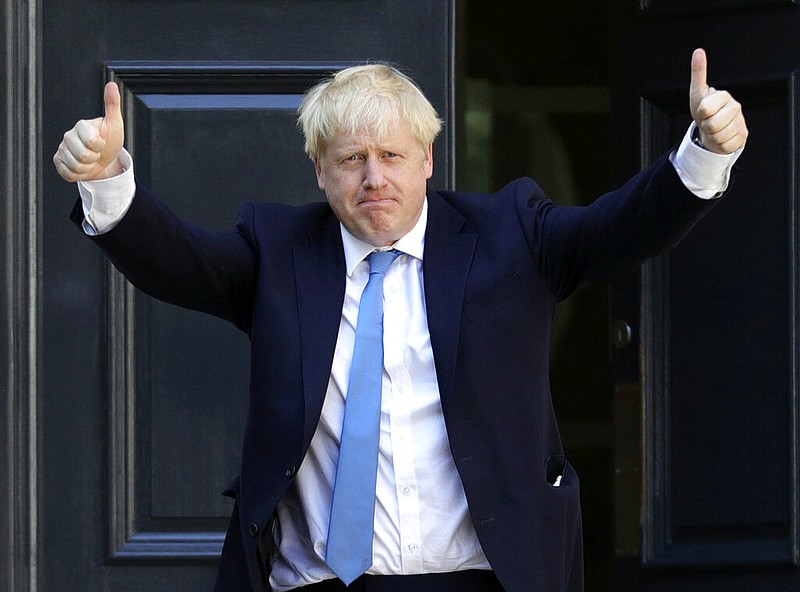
(90, 150)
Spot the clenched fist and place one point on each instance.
(718, 115)
(89, 150)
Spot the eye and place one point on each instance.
(391, 155)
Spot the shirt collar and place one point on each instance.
(412, 243)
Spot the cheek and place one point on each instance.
(342, 187)
(339, 198)
(334, 201)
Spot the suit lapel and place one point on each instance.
(446, 264)
(320, 275)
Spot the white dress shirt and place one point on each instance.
(422, 523)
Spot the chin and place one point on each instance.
(380, 240)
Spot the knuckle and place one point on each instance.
(85, 157)
(704, 110)
(705, 127)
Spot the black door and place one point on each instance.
(125, 416)
(709, 368)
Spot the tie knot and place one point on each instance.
(379, 261)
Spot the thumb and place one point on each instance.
(698, 87)
(112, 101)
(112, 126)
(699, 83)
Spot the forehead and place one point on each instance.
(396, 136)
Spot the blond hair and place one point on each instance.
(372, 98)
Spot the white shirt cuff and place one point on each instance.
(706, 174)
(106, 201)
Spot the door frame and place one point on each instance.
(21, 170)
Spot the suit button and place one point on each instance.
(291, 471)
(253, 529)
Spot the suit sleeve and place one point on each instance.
(574, 246)
(178, 262)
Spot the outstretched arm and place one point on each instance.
(166, 257)
(655, 209)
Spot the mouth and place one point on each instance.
(375, 201)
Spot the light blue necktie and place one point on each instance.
(349, 552)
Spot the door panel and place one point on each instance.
(720, 378)
(717, 317)
(139, 406)
(209, 135)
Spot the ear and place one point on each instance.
(429, 161)
(320, 174)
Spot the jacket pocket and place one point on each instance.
(560, 473)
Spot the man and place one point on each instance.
(468, 487)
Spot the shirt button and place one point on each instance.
(406, 490)
(411, 547)
(401, 388)
(253, 529)
(291, 471)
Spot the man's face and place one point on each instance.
(376, 186)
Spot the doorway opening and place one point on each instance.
(533, 100)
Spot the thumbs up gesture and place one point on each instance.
(89, 150)
(718, 115)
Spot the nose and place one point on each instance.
(374, 177)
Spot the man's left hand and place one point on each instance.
(718, 115)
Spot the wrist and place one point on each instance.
(696, 140)
(114, 169)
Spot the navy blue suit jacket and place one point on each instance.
(494, 268)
